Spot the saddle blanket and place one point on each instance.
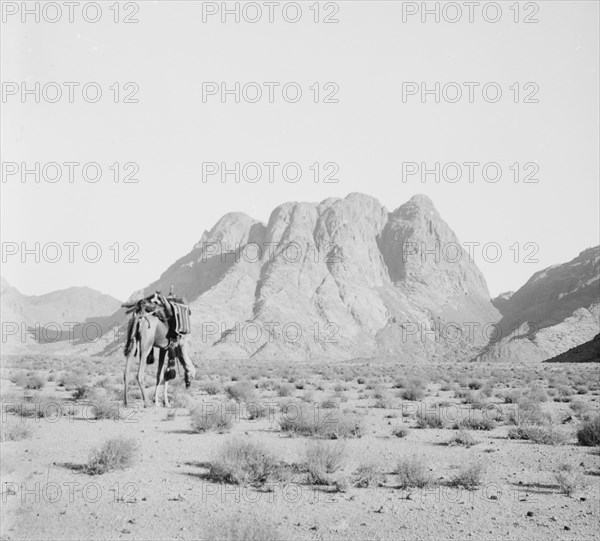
(181, 315)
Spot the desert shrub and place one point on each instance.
(242, 391)
(114, 454)
(35, 382)
(475, 385)
(82, 392)
(308, 396)
(412, 392)
(385, 402)
(569, 479)
(330, 403)
(300, 385)
(285, 389)
(340, 387)
(589, 432)
(15, 431)
(367, 475)
(73, 380)
(513, 397)
(400, 431)
(211, 388)
(103, 408)
(361, 381)
(468, 477)
(203, 421)
(413, 473)
(257, 410)
(545, 434)
(429, 420)
(537, 394)
(323, 459)
(306, 421)
(243, 462)
(464, 438)
(476, 422)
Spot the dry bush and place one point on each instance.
(463, 438)
(368, 475)
(468, 477)
(285, 389)
(569, 479)
(400, 431)
(114, 454)
(412, 472)
(244, 462)
(546, 434)
(588, 433)
(330, 403)
(476, 422)
(35, 382)
(203, 421)
(211, 388)
(322, 460)
(242, 391)
(412, 392)
(73, 380)
(429, 420)
(309, 422)
(103, 408)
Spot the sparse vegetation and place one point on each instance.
(413, 473)
(203, 421)
(468, 477)
(589, 432)
(323, 459)
(243, 462)
(569, 479)
(114, 454)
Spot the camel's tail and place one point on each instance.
(133, 329)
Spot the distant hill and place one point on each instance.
(50, 312)
(557, 309)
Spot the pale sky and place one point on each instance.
(369, 133)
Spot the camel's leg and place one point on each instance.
(140, 375)
(125, 379)
(160, 375)
(188, 365)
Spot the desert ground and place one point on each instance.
(368, 449)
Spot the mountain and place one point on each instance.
(338, 279)
(557, 309)
(501, 301)
(23, 316)
(589, 352)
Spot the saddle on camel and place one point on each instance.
(162, 322)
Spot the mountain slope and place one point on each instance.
(557, 309)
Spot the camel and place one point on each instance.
(145, 332)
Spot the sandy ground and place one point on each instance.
(166, 494)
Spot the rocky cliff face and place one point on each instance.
(557, 309)
(339, 279)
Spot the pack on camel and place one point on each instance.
(163, 323)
